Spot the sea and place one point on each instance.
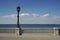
(30, 25)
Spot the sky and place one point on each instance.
(31, 12)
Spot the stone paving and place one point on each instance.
(30, 37)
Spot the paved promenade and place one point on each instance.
(31, 36)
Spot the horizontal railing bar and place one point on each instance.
(31, 28)
(9, 28)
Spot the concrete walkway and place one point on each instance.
(31, 36)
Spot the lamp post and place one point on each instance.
(18, 10)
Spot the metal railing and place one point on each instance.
(38, 30)
(31, 30)
(8, 30)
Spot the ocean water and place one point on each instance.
(30, 25)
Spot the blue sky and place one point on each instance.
(50, 9)
(41, 6)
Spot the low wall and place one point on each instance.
(54, 31)
(9, 31)
(16, 31)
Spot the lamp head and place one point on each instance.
(18, 9)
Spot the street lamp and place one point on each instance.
(18, 10)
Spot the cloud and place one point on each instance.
(56, 17)
(26, 18)
(21, 15)
(24, 14)
(35, 15)
(15, 15)
(10, 16)
(45, 15)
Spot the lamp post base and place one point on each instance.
(18, 31)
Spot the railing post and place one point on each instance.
(17, 31)
(55, 31)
